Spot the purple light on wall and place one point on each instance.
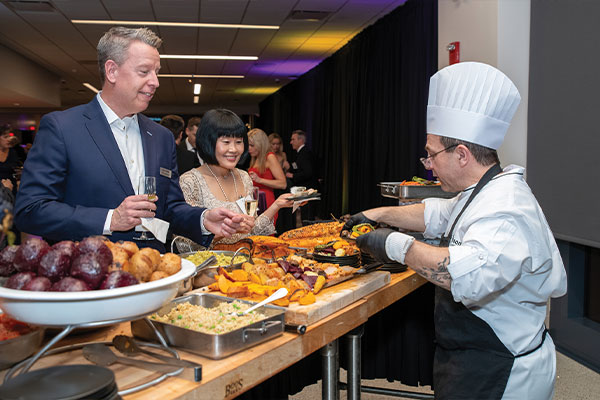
(285, 68)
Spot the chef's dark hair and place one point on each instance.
(215, 124)
(483, 155)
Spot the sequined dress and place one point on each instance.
(197, 193)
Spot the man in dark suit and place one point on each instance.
(81, 175)
(187, 158)
(303, 170)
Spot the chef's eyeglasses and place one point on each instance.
(427, 160)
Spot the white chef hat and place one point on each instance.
(473, 102)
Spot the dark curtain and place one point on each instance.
(364, 108)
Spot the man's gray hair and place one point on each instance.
(113, 45)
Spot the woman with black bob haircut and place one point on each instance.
(215, 124)
(221, 142)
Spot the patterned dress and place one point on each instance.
(197, 193)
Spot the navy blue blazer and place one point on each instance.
(74, 174)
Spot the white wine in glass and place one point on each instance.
(147, 186)
(252, 202)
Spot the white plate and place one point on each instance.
(76, 308)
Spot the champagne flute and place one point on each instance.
(251, 202)
(147, 186)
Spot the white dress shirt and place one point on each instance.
(126, 132)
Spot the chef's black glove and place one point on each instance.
(357, 219)
(374, 244)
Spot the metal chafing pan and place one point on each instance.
(206, 275)
(395, 190)
(219, 345)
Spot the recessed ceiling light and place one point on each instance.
(206, 57)
(180, 24)
(93, 89)
(196, 98)
(199, 76)
(197, 87)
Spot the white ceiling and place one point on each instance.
(69, 50)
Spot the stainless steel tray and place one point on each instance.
(213, 346)
(396, 191)
(207, 275)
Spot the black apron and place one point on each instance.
(470, 361)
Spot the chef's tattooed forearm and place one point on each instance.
(438, 275)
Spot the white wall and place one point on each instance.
(495, 32)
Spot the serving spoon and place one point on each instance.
(281, 292)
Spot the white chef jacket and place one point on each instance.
(505, 265)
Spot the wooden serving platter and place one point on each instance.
(334, 298)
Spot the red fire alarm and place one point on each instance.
(454, 52)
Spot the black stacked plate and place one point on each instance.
(367, 259)
(67, 382)
(353, 260)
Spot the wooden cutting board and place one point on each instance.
(334, 298)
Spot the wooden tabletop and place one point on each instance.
(231, 376)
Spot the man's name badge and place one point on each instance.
(294, 165)
(165, 172)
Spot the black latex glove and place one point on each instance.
(357, 219)
(374, 244)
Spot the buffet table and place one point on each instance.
(231, 376)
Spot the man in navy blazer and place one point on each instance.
(81, 175)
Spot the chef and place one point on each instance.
(497, 264)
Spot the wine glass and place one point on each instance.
(252, 202)
(147, 186)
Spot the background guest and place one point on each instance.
(277, 149)
(187, 156)
(175, 124)
(265, 170)
(303, 173)
(9, 160)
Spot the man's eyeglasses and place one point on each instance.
(427, 160)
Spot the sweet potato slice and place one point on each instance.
(297, 294)
(258, 297)
(254, 278)
(223, 271)
(307, 299)
(223, 284)
(283, 302)
(256, 289)
(239, 275)
(319, 284)
(237, 291)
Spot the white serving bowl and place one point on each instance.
(57, 309)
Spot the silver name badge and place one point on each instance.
(165, 172)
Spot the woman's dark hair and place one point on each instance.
(215, 124)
